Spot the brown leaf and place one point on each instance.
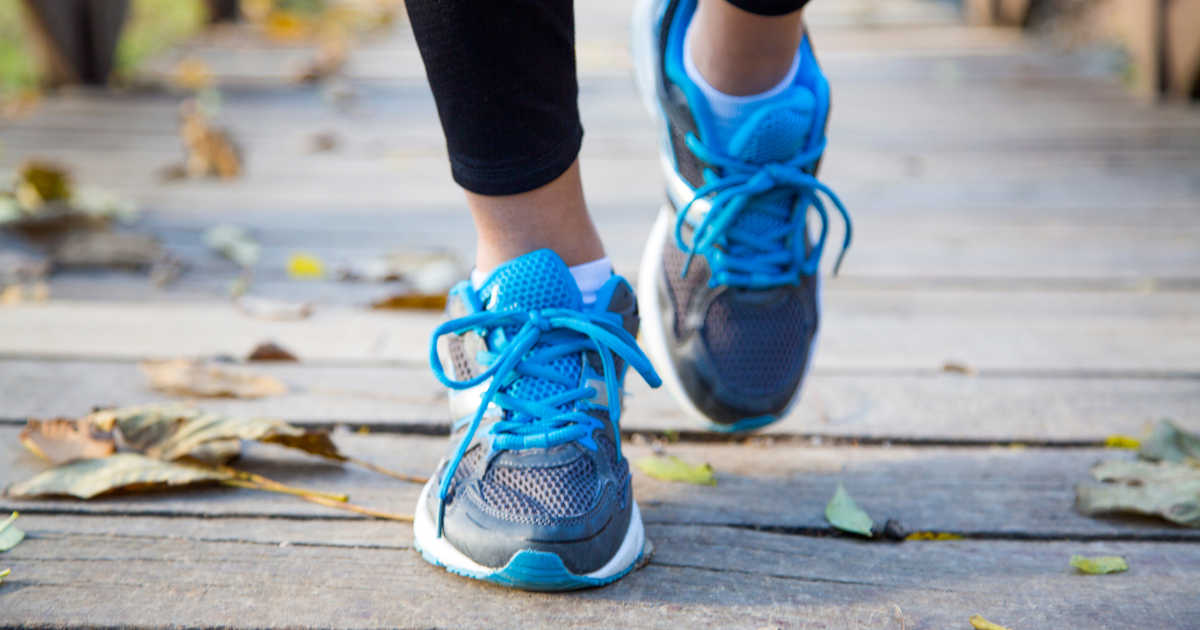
(412, 300)
(109, 249)
(187, 377)
(61, 441)
(170, 432)
(271, 352)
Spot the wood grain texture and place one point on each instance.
(701, 576)
(900, 406)
(981, 492)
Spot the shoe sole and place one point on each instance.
(650, 277)
(529, 569)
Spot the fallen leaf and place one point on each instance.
(234, 243)
(61, 441)
(10, 536)
(304, 266)
(979, 623)
(1100, 566)
(46, 181)
(1167, 489)
(271, 352)
(412, 300)
(674, 469)
(427, 272)
(170, 432)
(211, 152)
(274, 310)
(87, 478)
(955, 367)
(932, 536)
(4, 574)
(24, 294)
(843, 513)
(1170, 443)
(187, 377)
(1122, 441)
(192, 74)
(323, 142)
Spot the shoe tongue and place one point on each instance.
(777, 130)
(534, 281)
(537, 280)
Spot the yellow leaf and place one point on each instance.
(4, 574)
(674, 469)
(186, 377)
(192, 74)
(1100, 565)
(302, 266)
(932, 536)
(979, 623)
(1122, 441)
(61, 441)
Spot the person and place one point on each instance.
(534, 492)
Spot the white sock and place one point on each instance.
(728, 111)
(589, 276)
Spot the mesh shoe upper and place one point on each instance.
(543, 469)
(738, 275)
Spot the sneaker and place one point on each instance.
(729, 280)
(533, 492)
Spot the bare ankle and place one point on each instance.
(739, 53)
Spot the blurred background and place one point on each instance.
(290, 149)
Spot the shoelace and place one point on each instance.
(541, 337)
(745, 259)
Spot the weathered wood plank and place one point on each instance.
(864, 405)
(877, 329)
(701, 577)
(978, 492)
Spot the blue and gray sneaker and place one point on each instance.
(533, 492)
(729, 278)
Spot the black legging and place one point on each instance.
(503, 75)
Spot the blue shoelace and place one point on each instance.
(751, 260)
(540, 337)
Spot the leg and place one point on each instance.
(503, 74)
(742, 53)
(534, 492)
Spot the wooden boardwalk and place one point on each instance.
(1016, 212)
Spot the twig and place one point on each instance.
(262, 483)
(406, 518)
(383, 471)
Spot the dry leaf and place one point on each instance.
(955, 367)
(979, 623)
(43, 182)
(10, 536)
(211, 152)
(1100, 566)
(61, 441)
(109, 249)
(843, 513)
(1167, 489)
(674, 469)
(170, 432)
(192, 73)
(271, 352)
(324, 142)
(187, 377)
(234, 243)
(4, 574)
(932, 536)
(91, 477)
(24, 294)
(1122, 441)
(412, 300)
(275, 310)
(1170, 443)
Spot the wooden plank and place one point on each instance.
(782, 487)
(701, 576)
(899, 407)
(896, 330)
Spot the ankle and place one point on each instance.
(739, 53)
